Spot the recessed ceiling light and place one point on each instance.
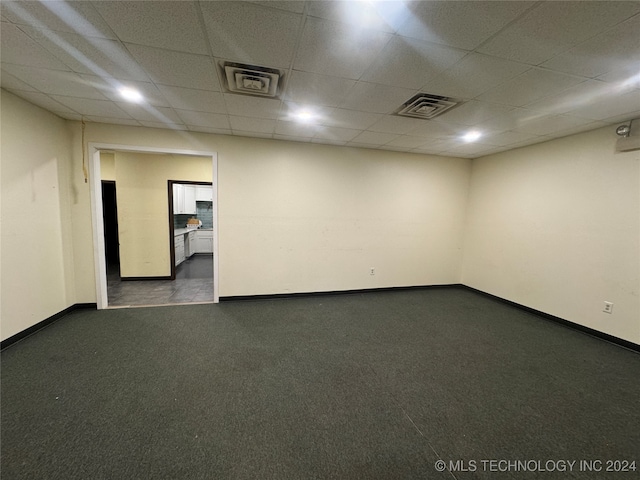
(471, 136)
(130, 94)
(305, 115)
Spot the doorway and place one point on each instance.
(110, 219)
(104, 208)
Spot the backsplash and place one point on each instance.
(180, 220)
(204, 213)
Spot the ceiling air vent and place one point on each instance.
(426, 106)
(252, 80)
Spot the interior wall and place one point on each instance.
(143, 207)
(556, 227)
(36, 254)
(297, 217)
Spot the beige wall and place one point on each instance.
(556, 227)
(107, 166)
(299, 217)
(143, 207)
(36, 254)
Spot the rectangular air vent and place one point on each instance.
(426, 106)
(251, 79)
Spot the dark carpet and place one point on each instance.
(361, 386)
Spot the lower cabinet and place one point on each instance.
(179, 246)
(204, 241)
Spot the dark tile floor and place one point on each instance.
(193, 284)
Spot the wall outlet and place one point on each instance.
(608, 307)
(372, 271)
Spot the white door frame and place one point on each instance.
(98, 222)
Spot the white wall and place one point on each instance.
(299, 217)
(556, 227)
(36, 251)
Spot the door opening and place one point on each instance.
(110, 219)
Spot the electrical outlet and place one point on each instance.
(372, 271)
(608, 307)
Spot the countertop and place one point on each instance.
(183, 231)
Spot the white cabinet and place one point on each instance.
(184, 199)
(204, 193)
(190, 244)
(179, 248)
(204, 241)
(189, 199)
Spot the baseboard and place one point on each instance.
(141, 279)
(271, 296)
(44, 323)
(575, 326)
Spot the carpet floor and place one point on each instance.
(361, 386)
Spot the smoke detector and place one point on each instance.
(426, 106)
(251, 79)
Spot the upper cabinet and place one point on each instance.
(204, 193)
(184, 199)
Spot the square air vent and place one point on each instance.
(426, 106)
(252, 80)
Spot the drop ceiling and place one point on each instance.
(523, 72)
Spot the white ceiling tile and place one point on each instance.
(202, 129)
(99, 108)
(506, 138)
(328, 141)
(336, 134)
(342, 118)
(553, 27)
(170, 25)
(196, 100)
(374, 138)
(564, 132)
(408, 142)
(436, 128)
(62, 16)
(622, 118)
(163, 125)
(113, 121)
(395, 124)
(177, 69)
(336, 48)
(473, 75)
(18, 48)
(581, 95)
(248, 106)
(213, 120)
(44, 101)
(547, 124)
(95, 56)
(460, 24)
(385, 16)
(150, 113)
(393, 148)
(612, 50)
(407, 62)
(610, 107)
(250, 124)
(54, 82)
(10, 82)
(529, 87)
(249, 33)
(471, 149)
(510, 120)
(69, 116)
(291, 138)
(374, 98)
(109, 87)
(626, 76)
(474, 112)
(296, 129)
(242, 133)
(305, 87)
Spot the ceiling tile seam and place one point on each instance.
(509, 25)
(35, 39)
(589, 39)
(294, 55)
(212, 57)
